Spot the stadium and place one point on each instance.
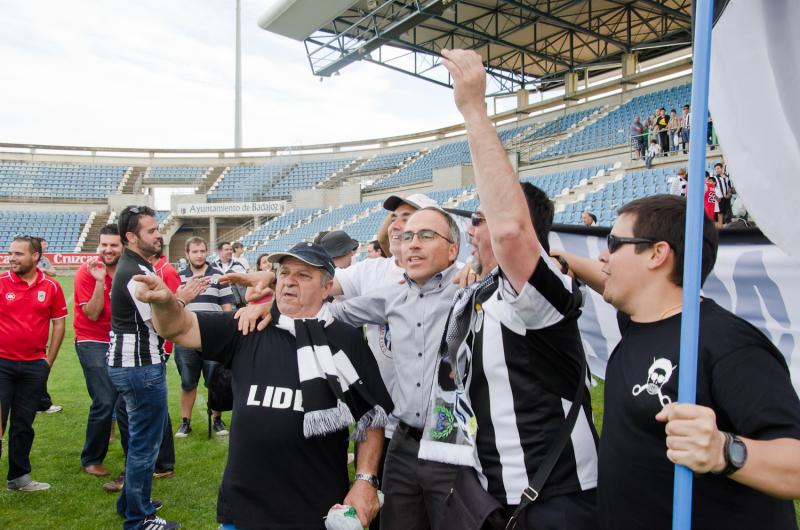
(566, 81)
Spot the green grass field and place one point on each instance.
(77, 501)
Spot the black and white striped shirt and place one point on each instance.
(213, 297)
(526, 359)
(134, 341)
(723, 185)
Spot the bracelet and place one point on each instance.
(183, 304)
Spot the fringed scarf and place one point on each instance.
(450, 428)
(329, 381)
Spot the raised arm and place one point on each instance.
(170, 319)
(514, 241)
(587, 270)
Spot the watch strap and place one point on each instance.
(372, 479)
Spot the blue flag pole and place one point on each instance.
(690, 317)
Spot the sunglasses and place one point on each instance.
(424, 235)
(476, 219)
(615, 242)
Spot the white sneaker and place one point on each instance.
(53, 409)
(26, 483)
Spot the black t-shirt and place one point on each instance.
(275, 478)
(740, 375)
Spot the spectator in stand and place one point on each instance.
(341, 247)
(678, 185)
(374, 250)
(588, 218)
(684, 130)
(262, 263)
(238, 253)
(200, 292)
(662, 122)
(673, 126)
(724, 192)
(29, 304)
(226, 263)
(710, 202)
(710, 139)
(92, 338)
(645, 135)
(653, 151)
(637, 138)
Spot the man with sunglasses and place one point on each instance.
(741, 438)
(513, 341)
(136, 366)
(415, 312)
(30, 304)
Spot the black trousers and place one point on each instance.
(575, 511)
(21, 386)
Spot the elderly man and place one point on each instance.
(308, 377)
(520, 360)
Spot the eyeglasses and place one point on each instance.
(424, 235)
(615, 242)
(476, 219)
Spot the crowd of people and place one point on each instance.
(718, 195)
(662, 134)
(463, 385)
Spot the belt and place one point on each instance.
(413, 432)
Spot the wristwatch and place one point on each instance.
(735, 453)
(372, 479)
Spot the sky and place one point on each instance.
(160, 73)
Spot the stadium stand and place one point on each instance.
(247, 182)
(451, 154)
(68, 182)
(61, 229)
(176, 173)
(385, 161)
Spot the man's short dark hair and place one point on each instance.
(35, 243)
(195, 240)
(663, 218)
(718, 164)
(236, 245)
(129, 220)
(686, 107)
(542, 211)
(219, 247)
(109, 230)
(593, 216)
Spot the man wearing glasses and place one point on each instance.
(741, 438)
(136, 365)
(415, 312)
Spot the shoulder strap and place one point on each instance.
(531, 493)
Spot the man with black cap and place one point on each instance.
(340, 246)
(318, 379)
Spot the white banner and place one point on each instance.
(757, 282)
(230, 209)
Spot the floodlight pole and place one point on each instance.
(690, 315)
(237, 140)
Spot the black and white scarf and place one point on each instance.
(329, 381)
(451, 426)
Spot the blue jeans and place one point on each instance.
(92, 356)
(144, 389)
(21, 387)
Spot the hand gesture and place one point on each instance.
(364, 498)
(192, 288)
(253, 317)
(97, 269)
(466, 276)
(693, 439)
(152, 290)
(259, 284)
(469, 81)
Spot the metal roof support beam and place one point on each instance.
(661, 8)
(561, 23)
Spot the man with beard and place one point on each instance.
(29, 302)
(92, 338)
(137, 368)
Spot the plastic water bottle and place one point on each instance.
(344, 517)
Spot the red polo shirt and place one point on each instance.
(170, 276)
(85, 329)
(25, 315)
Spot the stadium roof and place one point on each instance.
(525, 43)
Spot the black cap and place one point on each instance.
(338, 243)
(310, 253)
(459, 212)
